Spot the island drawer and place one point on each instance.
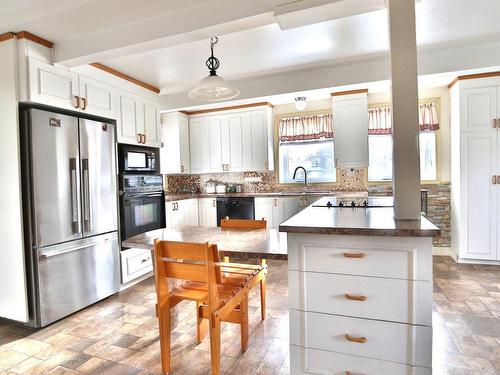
(306, 361)
(389, 257)
(135, 263)
(386, 341)
(397, 300)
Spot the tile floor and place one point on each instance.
(120, 335)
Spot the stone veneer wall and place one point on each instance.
(438, 207)
(348, 180)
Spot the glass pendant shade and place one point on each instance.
(213, 88)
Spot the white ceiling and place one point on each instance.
(268, 49)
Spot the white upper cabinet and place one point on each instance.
(174, 153)
(52, 85)
(137, 120)
(478, 107)
(232, 141)
(97, 98)
(350, 122)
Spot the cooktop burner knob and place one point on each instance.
(353, 204)
(341, 204)
(365, 203)
(329, 204)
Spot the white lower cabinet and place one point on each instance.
(135, 263)
(181, 213)
(207, 212)
(360, 304)
(276, 210)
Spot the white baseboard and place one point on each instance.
(443, 251)
(479, 261)
(136, 281)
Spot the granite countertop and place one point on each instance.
(377, 221)
(182, 196)
(256, 243)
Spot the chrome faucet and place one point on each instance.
(305, 175)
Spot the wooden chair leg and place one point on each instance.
(263, 294)
(215, 344)
(201, 326)
(165, 328)
(244, 324)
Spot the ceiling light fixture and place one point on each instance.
(213, 88)
(300, 103)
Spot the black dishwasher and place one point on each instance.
(235, 208)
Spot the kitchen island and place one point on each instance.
(360, 289)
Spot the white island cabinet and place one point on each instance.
(360, 298)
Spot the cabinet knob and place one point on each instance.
(494, 123)
(213, 203)
(139, 138)
(359, 340)
(354, 255)
(84, 103)
(494, 180)
(76, 104)
(144, 138)
(182, 169)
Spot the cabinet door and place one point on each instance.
(96, 98)
(235, 142)
(288, 207)
(171, 217)
(208, 212)
(214, 143)
(350, 118)
(198, 145)
(267, 209)
(52, 85)
(151, 124)
(185, 166)
(479, 195)
(258, 129)
(129, 121)
(189, 211)
(478, 108)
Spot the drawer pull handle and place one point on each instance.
(352, 373)
(144, 260)
(359, 340)
(354, 297)
(354, 255)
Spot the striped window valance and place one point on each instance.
(308, 127)
(380, 119)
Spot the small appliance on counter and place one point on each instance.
(210, 187)
(220, 188)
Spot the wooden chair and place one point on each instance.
(197, 265)
(261, 279)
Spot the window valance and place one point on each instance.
(309, 127)
(380, 119)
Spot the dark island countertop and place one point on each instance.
(377, 221)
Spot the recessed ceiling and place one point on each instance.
(268, 49)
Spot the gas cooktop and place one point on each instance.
(366, 202)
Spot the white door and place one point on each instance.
(235, 142)
(185, 166)
(267, 209)
(52, 85)
(129, 120)
(479, 197)
(96, 98)
(208, 212)
(258, 129)
(478, 109)
(198, 145)
(214, 143)
(151, 124)
(188, 209)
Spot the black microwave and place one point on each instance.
(133, 159)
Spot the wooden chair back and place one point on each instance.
(189, 262)
(242, 224)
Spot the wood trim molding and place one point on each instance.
(349, 92)
(241, 106)
(473, 76)
(7, 36)
(34, 38)
(109, 70)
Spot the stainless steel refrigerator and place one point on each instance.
(70, 211)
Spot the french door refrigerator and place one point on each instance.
(70, 210)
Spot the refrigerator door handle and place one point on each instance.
(74, 196)
(53, 253)
(87, 215)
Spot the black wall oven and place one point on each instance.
(142, 204)
(138, 159)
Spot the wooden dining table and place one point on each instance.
(244, 243)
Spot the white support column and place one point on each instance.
(404, 91)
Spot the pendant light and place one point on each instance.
(213, 88)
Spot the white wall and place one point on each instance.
(444, 143)
(13, 299)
